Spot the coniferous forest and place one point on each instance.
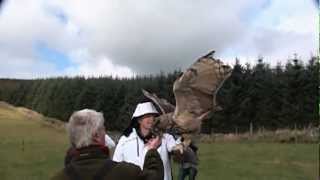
(284, 96)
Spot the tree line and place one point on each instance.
(284, 96)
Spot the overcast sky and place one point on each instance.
(43, 38)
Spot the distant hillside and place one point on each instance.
(32, 146)
(11, 114)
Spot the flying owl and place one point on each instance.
(195, 94)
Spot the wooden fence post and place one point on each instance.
(251, 128)
(22, 145)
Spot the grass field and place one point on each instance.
(271, 161)
(33, 150)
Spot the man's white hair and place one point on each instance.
(83, 125)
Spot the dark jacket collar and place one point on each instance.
(89, 152)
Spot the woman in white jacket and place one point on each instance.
(131, 146)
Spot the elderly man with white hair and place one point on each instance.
(90, 157)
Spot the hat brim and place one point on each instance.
(155, 115)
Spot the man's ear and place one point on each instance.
(97, 137)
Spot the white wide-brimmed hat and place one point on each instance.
(143, 109)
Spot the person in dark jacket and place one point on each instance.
(72, 151)
(89, 157)
(189, 163)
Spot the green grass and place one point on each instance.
(30, 149)
(263, 161)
